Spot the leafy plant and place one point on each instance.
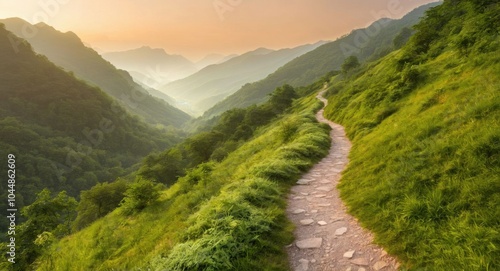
(139, 195)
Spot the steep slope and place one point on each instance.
(68, 51)
(205, 88)
(375, 40)
(227, 215)
(424, 122)
(154, 63)
(65, 134)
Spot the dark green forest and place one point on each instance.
(68, 52)
(66, 134)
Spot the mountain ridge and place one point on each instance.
(152, 62)
(67, 50)
(212, 83)
(66, 134)
(309, 67)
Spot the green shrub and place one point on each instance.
(99, 201)
(228, 229)
(139, 195)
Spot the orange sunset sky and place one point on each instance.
(195, 28)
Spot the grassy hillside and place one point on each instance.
(212, 84)
(377, 40)
(68, 51)
(425, 166)
(65, 134)
(227, 215)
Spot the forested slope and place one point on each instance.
(65, 134)
(68, 51)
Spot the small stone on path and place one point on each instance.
(361, 261)
(309, 243)
(349, 254)
(299, 211)
(304, 181)
(320, 196)
(325, 188)
(314, 211)
(304, 265)
(341, 231)
(324, 205)
(306, 222)
(322, 223)
(361, 269)
(380, 265)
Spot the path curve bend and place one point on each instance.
(326, 236)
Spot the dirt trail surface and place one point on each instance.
(326, 237)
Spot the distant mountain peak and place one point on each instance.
(149, 48)
(16, 20)
(152, 63)
(261, 51)
(43, 25)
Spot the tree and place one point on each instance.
(140, 194)
(258, 115)
(402, 38)
(350, 64)
(99, 201)
(46, 216)
(229, 121)
(203, 145)
(165, 167)
(282, 98)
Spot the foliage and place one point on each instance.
(424, 170)
(98, 201)
(219, 216)
(65, 134)
(232, 127)
(350, 64)
(139, 195)
(402, 38)
(46, 218)
(228, 229)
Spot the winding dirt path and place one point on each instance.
(326, 237)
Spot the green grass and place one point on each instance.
(220, 216)
(425, 166)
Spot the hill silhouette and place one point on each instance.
(67, 51)
(212, 84)
(377, 40)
